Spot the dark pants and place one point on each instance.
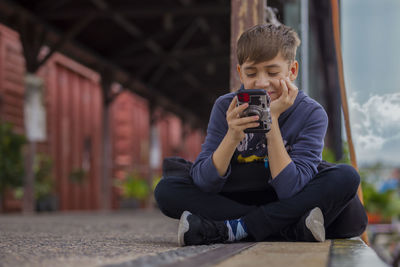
(333, 190)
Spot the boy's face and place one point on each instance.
(266, 75)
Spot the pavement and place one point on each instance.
(147, 238)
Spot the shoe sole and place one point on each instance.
(315, 223)
(183, 228)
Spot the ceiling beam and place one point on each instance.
(69, 35)
(202, 53)
(133, 48)
(131, 12)
(97, 62)
(49, 5)
(183, 40)
(151, 45)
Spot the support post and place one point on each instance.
(35, 128)
(106, 178)
(336, 33)
(244, 14)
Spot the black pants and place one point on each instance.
(333, 190)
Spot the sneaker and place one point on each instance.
(315, 224)
(197, 230)
(310, 228)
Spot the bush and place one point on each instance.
(134, 186)
(386, 203)
(11, 158)
(44, 182)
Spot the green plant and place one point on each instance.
(78, 175)
(44, 182)
(156, 180)
(328, 155)
(11, 158)
(386, 204)
(134, 186)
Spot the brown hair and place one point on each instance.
(264, 41)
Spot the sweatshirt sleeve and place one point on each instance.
(306, 154)
(203, 171)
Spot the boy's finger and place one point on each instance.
(232, 105)
(284, 89)
(246, 120)
(290, 85)
(236, 111)
(292, 89)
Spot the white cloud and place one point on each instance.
(376, 127)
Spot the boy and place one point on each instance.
(260, 186)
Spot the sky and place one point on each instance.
(371, 58)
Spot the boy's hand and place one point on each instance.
(287, 98)
(237, 125)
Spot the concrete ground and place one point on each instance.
(147, 238)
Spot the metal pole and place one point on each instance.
(304, 45)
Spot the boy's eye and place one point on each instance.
(251, 74)
(273, 73)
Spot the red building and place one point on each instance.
(74, 114)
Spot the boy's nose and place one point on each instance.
(262, 82)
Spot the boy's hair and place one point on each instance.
(263, 42)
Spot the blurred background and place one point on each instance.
(95, 94)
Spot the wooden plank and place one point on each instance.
(244, 14)
(278, 254)
(214, 256)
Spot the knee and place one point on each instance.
(171, 194)
(359, 222)
(162, 195)
(351, 222)
(362, 224)
(347, 178)
(359, 225)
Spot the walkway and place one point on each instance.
(147, 238)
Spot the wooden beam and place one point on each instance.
(107, 79)
(154, 47)
(131, 12)
(97, 62)
(203, 53)
(183, 40)
(49, 5)
(130, 49)
(338, 48)
(244, 14)
(74, 31)
(32, 37)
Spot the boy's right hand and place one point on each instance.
(236, 124)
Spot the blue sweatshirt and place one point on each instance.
(303, 127)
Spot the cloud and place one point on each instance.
(376, 127)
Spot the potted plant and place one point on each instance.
(46, 199)
(11, 160)
(78, 176)
(134, 191)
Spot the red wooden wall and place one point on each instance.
(74, 109)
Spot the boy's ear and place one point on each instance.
(294, 70)
(239, 72)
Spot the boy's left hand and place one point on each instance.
(287, 98)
